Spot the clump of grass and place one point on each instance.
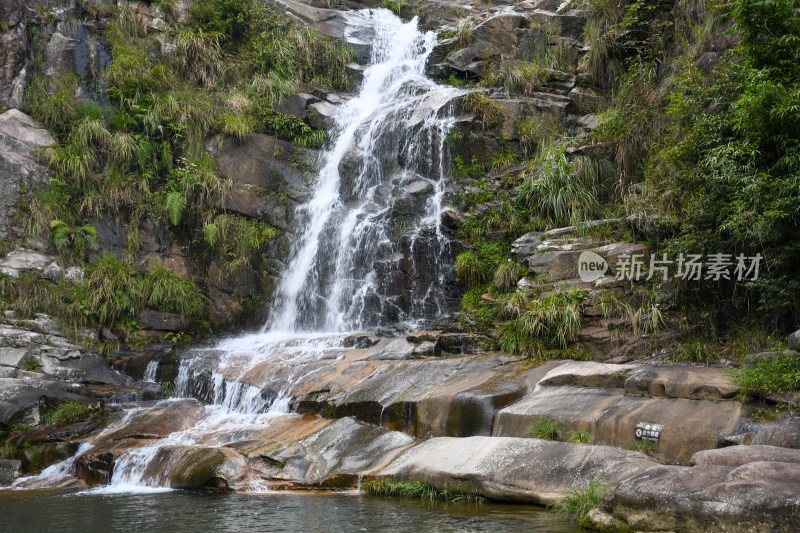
(508, 274)
(579, 501)
(770, 375)
(477, 267)
(386, 486)
(536, 129)
(555, 189)
(552, 323)
(8, 451)
(237, 239)
(172, 293)
(546, 428)
(66, 413)
(29, 363)
(483, 106)
(580, 436)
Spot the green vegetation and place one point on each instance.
(556, 190)
(8, 451)
(483, 106)
(577, 504)
(546, 428)
(66, 413)
(717, 149)
(534, 326)
(77, 241)
(29, 363)
(580, 437)
(142, 160)
(770, 375)
(385, 486)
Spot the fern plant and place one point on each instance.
(79, 241)
(175, 205)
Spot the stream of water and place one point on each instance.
(76, 512)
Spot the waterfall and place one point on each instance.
(150, 371)
(388, 139)
(374, 216)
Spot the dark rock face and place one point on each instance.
(151, 319)
(9, 470)
(269, 177)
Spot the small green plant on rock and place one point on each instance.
(66, 413)
(546, 428)
(386, 486)
(78, 241)
(29, 363)
(483, 106)
(580, 436)
(579, 501)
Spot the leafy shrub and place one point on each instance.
(580, 437)
(77, 241)
(770, 375)
(168, 292)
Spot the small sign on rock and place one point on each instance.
(648, 431)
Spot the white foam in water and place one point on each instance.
(150, 372)
(329, 279)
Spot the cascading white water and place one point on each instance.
(150, 371)
(389, 140)
(330, 281)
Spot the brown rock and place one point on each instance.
(734, 456)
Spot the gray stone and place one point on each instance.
(693, 383)
(586, 101)
(793, 341)
(74, 274)
(321, 115)
(13, 47)
(10, 470)
(513, 469)
(20, 140)
(23, 260)
(734, 456)
(296, 104)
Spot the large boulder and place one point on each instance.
(513, 469)
(785, 433)
(20, 171)
(594, 397)
(24, 260)
(13, 47)
(759, 497)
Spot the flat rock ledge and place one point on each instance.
(514, 469)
